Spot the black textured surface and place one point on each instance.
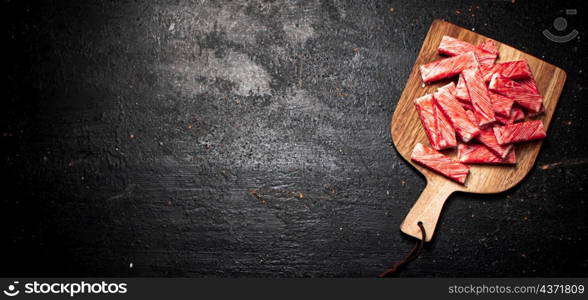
(176, 138)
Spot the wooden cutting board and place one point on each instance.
(406, 130)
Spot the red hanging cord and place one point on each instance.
(412, 254)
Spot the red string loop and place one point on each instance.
(412, 254)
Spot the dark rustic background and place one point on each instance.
(223, 138)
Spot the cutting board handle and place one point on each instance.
(426, 210)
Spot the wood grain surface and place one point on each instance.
(406, 130)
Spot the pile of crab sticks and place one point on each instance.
(483, 115)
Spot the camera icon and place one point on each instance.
(561, 24)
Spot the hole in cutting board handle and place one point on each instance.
(422, 227)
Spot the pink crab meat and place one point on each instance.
(516, 114)
(439, 163)
(486, 52)
(519, 132)
(502, 105)
(541, 110)
(479, 96)
(478, 154)
(488, 138)
(468, 107)
(471, 116)
(467, 104)
(530, 83)
(447, 67)
(524, 94)
(439, 131)
(465, 129)
(451, 46)
(461, 91)
(514, 70)
(450, 87)
(489, 46)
